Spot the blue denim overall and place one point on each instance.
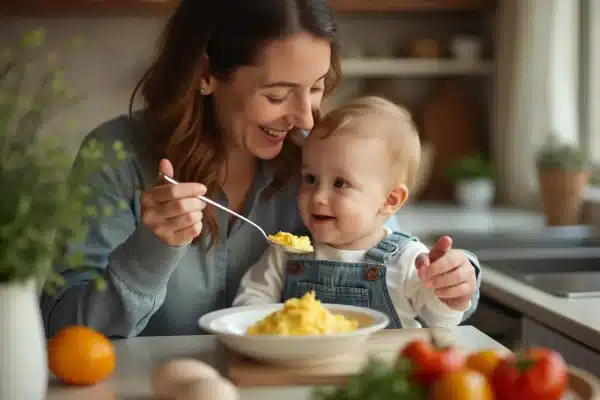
(358, 284)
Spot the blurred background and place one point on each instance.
(487, 80)
(506, 95)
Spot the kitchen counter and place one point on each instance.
(576, 318)
(422, 219)
(137, 356)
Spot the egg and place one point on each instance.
(207, 389)
(289, 240)
(303, 316)
(167, 377)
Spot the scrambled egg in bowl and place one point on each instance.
(302, 317)
(289, 240)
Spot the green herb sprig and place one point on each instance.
(376, 381)
(45, 202)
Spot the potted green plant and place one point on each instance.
(563, 173)
(44, 204)
(473, 180)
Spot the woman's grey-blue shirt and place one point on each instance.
(153, 288)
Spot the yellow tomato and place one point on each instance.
(464, 384)
(484, 361)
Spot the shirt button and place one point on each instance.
(372, 273)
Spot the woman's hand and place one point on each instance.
(173, 212)
(449, 273)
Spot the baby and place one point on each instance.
(358, 165)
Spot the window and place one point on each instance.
(589, 101)
(590, 78)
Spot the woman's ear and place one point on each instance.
(394, 200)
(205, 83)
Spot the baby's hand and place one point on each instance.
(449, 273)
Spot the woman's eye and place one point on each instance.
(340, 183)
(310, 179)
(317, 89)
(276, 100)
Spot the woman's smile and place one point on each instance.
(275, 133)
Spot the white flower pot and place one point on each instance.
(24, 368)
(475, 194)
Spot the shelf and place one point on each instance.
(360, 67)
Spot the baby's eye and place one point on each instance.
(309, 178)
(340, 183)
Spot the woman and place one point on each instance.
(234, 83)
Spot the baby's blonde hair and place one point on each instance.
(371, 116)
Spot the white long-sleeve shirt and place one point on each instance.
(263, 283)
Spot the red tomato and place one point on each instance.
(429, 362)
(535, 374)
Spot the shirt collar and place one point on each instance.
(264, 174)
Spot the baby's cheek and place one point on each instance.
(351, 213)
(356, 221)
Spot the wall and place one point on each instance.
(118, 49)
(105, 69)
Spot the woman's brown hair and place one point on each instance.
(230, 33)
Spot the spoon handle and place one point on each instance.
(214, 203)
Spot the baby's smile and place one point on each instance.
(322, 218)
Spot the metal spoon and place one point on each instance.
(288, 249)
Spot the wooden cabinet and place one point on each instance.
(115, 7)
(534, 334)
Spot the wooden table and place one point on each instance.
(137, 356)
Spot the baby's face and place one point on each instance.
(345, 183)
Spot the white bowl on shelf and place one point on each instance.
(229, 325)
(466, 48)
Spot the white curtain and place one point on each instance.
(536, 89)
(592, 113)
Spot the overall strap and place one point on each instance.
(300, 256)
(391, 246)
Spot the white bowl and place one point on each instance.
(466, 48)
(229, 325)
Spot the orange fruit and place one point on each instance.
(484, 361)
(78, 355)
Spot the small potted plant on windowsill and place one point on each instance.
(44, 205)
(563, 174)
(473, 181)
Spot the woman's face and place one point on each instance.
(260, 104)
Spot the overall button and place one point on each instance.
(372, 273)
(294, 268)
